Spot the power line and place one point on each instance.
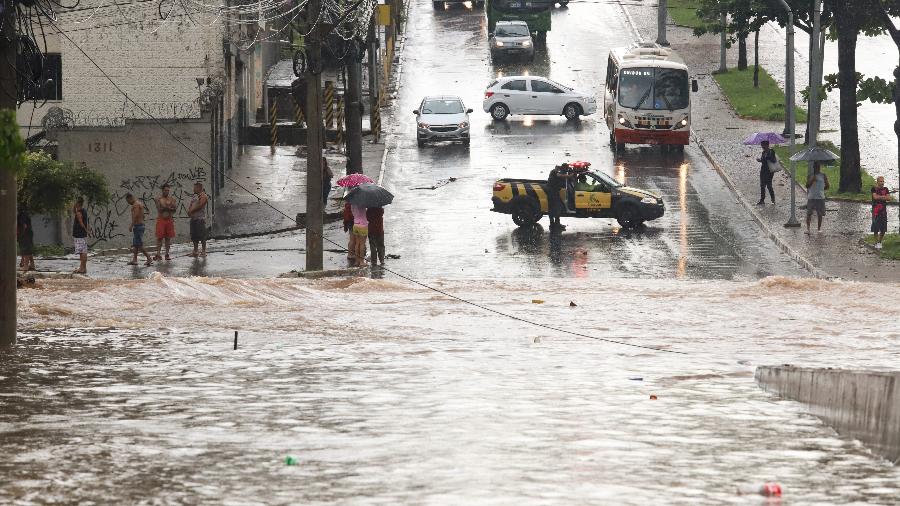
(395, 273)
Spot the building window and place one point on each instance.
(52, 70)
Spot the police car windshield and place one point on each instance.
(451, 106)
(606, 179)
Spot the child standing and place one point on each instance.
(375, 215)
(359, 234)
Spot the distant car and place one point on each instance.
(442, 118)
(535, 95)
(511, 39)
(440, 4)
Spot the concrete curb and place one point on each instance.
(331, 273)
(859, 404)
(781, 243)
(390, 141)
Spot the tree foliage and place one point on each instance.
(12, 147)
(48, 186)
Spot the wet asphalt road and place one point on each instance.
(444, 229)
(450, 231)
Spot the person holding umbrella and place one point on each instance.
(360, 198)
(816, 185)
(766, 173)
(352, 181)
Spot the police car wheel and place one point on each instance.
(629, 216)
(524, 214)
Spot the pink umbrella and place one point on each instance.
(354, 180)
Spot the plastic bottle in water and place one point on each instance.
(770, 489)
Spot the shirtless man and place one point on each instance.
(197, 213)
(137, 229)
(166, 206)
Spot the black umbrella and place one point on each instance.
(369, 195)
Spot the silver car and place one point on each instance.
(442, 118)
(511, 39)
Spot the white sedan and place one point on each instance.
(535, 95)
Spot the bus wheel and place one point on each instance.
(542, 38)
(563, 3)
(438, 5)
(499, 112)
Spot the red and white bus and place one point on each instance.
(648, 97)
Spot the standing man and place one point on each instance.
(25, 237)
(765, 175)
(880, 196)
(556, 181)
(80, 233)
(197, 214)
(816, 185)
(137, 230)
(165, 221)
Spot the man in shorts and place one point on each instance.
(816, 184)
(80, 233)
(165, 221)
(880, 196)
(197, 214)
(137, 229)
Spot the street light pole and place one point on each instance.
(814, 105)
(662, 12)
(789, 110)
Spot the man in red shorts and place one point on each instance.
(165, 221)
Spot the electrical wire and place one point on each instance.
(395, 273)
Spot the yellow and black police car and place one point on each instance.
(587, 195)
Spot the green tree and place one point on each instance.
(48, 186)
(12, 147)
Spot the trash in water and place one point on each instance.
(770, 489)
(636, 378)
(537, 339)
(572, 304)
(652, 397)
(537, 301)
(290, 460)
(393, 256)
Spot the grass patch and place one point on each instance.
(890, 248)
(765, 103)
(49, 250)
(832, 171)
(684, 13)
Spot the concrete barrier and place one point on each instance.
(864, 405)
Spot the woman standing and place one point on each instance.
(765, 174)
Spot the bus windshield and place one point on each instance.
(653, 88)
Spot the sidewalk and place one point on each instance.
(834, 253)
(280, 180)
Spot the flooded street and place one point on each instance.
(388, 394)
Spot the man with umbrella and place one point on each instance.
(765, 173)
(360, 198)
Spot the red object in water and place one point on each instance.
(770, 490)
(652, 397)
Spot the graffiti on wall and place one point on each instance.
(111, 221)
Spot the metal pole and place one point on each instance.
(8, 187)
(314, 143)
(353, 100)
(814, 105)
(723, 43)
(662, 12)
(789, 109)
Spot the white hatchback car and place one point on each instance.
(535, 95)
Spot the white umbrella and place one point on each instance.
(814, 154)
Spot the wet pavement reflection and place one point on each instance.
(449, 231)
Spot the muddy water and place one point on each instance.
(388, 394)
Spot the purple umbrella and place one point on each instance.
(758, 138)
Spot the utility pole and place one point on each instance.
(314, 138)
(789, 111)
(353, 99)
(8, 184)
(662, 12)
(373, 75)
